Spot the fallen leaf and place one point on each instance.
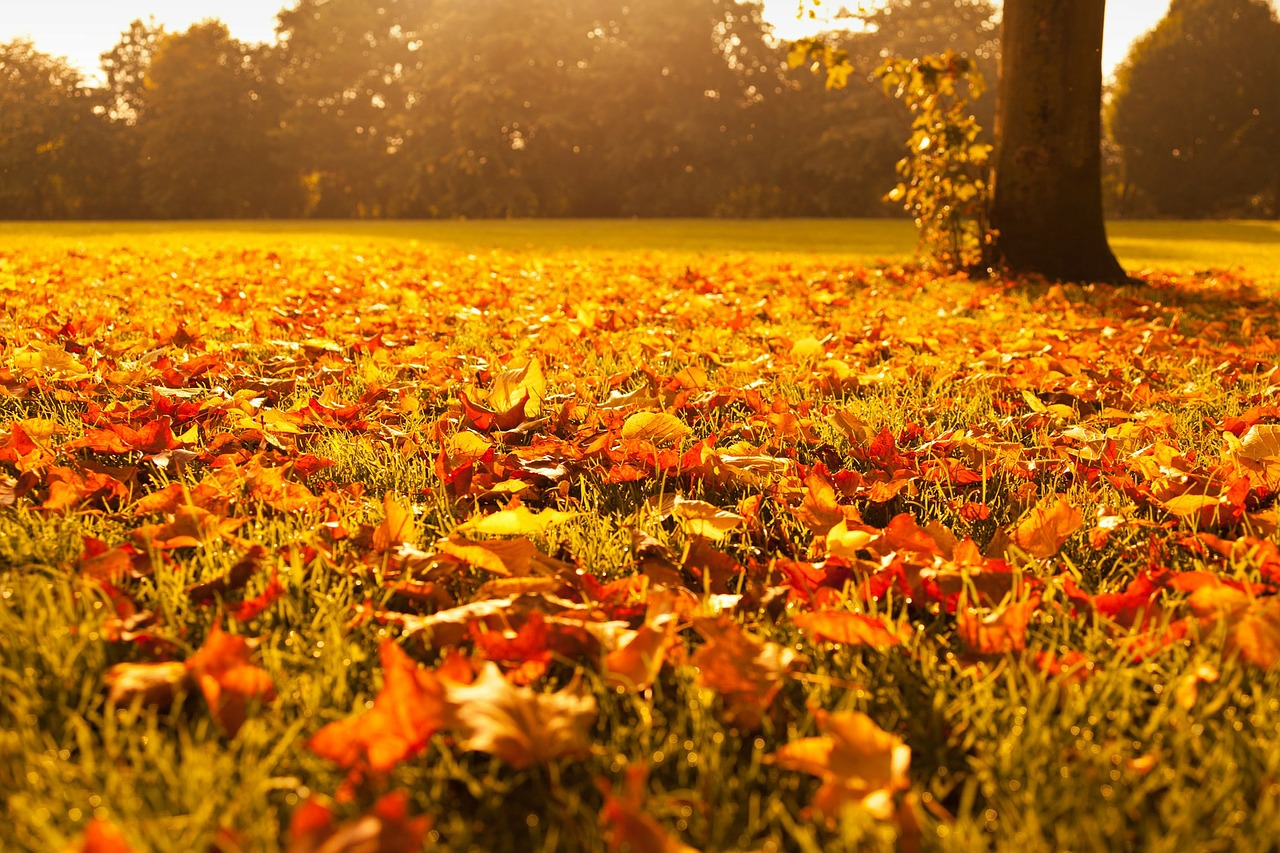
(519, 725)
(747, 672)
(627, 825)
(515, 522)
(387, 828)
(229, 682)
(857, 761)
(396, 526)
(657, 427)
(407, 711)
(853, 629)
(1047, 527)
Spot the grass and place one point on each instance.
(788, 360)
(1254, 246)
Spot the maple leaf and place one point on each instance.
(1047, 527)
(857, 761)
(628, 826)
(853, 629)
(519, 725)
(410, 708)
(993, 631)
(523, 385)
(1252, 623)
(635, 663)
(519, 521)
(747, 672)
(387, 828)
(700, 518)
(229, 682)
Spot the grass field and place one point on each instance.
(1254, 246)
(648, 536)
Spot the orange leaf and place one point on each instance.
(857, 761)
(229, 682)
(519, 725)
(385, 829)
(746, 671)
(854, 629)
(396, 525)
(629, 827)
(101, 837)
(998, 630)
(635, 664)
(408, 710)
(1047, 527)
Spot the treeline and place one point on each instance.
(446, 108)
(442, 108)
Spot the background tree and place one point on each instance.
(48, 127)
(207, 144)
(1196, 111)
(345, 69)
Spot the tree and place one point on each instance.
(1196, 111)
(345, 75)
(207, 130)
(48, 128)
(1046, 207)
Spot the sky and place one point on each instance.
(81, 30)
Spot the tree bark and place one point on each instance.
(1046, 205)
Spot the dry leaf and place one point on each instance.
(657, 427)
(857, 761)
(746, 671)
(519, 725)
(1047, 527)
(396, 525)
(854, 629)
(229, 682)
(515, 522)
(629, 828)
(408, 710)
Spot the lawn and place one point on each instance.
(649, 536)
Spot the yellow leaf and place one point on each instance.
(704, 519)
(658, 427)
(396, 526)
(515, 522)
(857, 761)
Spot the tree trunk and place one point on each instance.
(1046, 202)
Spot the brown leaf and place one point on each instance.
(519, 725)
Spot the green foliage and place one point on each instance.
(1196, 113)
(944, 175)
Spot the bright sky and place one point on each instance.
(83, 29)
